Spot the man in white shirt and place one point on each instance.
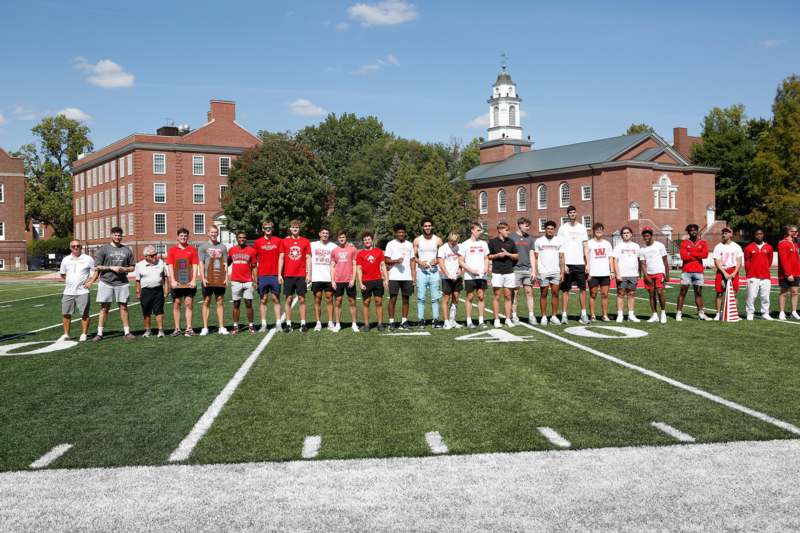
(321, 252)
(152, 287)
(474, 261)
(76, 270)
(573, 241)
(655, 270)
(400, 262)
(451, 273)
(627, 272)
(599, 265)
(728, 257)
(549, 266)
(426, 246)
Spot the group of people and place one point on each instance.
(439, 270)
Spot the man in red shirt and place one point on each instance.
(343, 276)
(182, 261)
(693, 251)
(294, 273)
(268, 249)
(243, 260)
(372, 278)
(788, 271)
(758, 257)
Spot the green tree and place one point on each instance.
(729, 143)
(281, 180)
(777, 161)
(48, 169)
(640, 128)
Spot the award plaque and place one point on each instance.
(215, 272)
(183, 272)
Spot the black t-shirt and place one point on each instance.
(502, 265)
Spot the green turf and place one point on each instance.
(367, 395)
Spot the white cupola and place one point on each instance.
(504, 109)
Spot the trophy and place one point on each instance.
(215, 272)
(183, 272)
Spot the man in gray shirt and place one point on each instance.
(212, 248)
(522, 269)
(112, 264)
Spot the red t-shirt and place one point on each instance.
(176, 252)
(242, 261)
(268, 251)
(788, 260)
(692, 255)
(294, 253)
(370, 262)
(757, 261)
(342, 261)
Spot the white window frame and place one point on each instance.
(542, 222)
(564, 220)
(107, 194)
(502, 201)
(163, 159)
(665, 194)
(483, 202)
(561, 188)
(130, 224)
(228, 159)
(155, 224)
(130, 164)
(113, 167)
(2, 193)
(121, 167)
(202, 166)
(108, 226)
(161, 248)
(2, 230)
(121, 195)
(522, 205)
(130, 193)
(194, 223)
(2, 264)
(222, 189)
(539, 203)
(122, 224)
(587, 221)
(586, 192)
(101, 205)
(155, 193)
(194, 193)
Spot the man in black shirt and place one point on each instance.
(503, 254)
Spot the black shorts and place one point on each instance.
(603, 281)
(575, 276)
(294, 285)
(404, 286)
(784, 283)
(213, 291)
(184, 292)
(471, 284)
(449, 286)
(342, 288)
(152, 301)
(319, 286)
(373, 287)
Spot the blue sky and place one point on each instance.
(585, 70)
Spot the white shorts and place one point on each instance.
(108, 293)
(240, 289)
(506, 281)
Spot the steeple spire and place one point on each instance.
(504, 106)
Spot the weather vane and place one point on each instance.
(504, 60)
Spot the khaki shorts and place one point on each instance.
(113, 293)
(75, 304)
(523, 278)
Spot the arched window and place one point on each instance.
(522, 199)
(664, 193)
(512, 115)
(501, 201)
(633, 211)
(483, 201)
(563, 193)
(541, 194)
(495, 116)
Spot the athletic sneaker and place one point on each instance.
(564, 318)
(455, 324)
(482, 324)
(263, 328)
(63, 338)
(531, 319)
(663, 317)
(620, 318)
(318, 326)
(584, 319)
(766, 316)
(555, 321)
(252, 329)
(510, 324)
(303, 327)
(514, 319)
(422, 323)
(782, 316)
(497, 323)
(438, 324)
(403, 325)
(129, 336)
(354, 327)
(380, 327)
(235, 330)
(83, 337)
(592, 318)
(146, 333)
(795, 315)
(160, 334)
(544, 321)
(678, 316)
(606, 318)
(287, 328)
(749, 316)
(392, 326)
(365, 328)
(718, 317)
(653, 318)
(470, 325)
(702, 316)
(332, 327)
(633, 318)
(447, 325)
(223, 331)
(204, 332)
(176, 333)
(189, 332)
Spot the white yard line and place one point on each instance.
(59, 324)
(435, 443)
(31, 298)
(675, 433)
(407, 334)
(51, 456)
(554, 437)
(187, 445)
(311, 446)
(710, 310)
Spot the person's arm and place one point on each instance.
(353, 274)
(718, 266)
(423, 264)
(464, 266)
(384, 274)
(665, 258)
(532, 259)
(514, 254)
(165, 284)
(562, 265)
(486, 265)
(138, 289)
(702, 252)
(738, 266)
(643, 269)
(360, 275)
(332, 270)
(280, 268)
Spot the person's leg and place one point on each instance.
(468, 306)
(794, 299)
(379, 309)
(262, 308)
(236, 312)
(301, 304)
(554, 298)
(766, 285)
(507, 301)
(365, 308)
(565, 299)
(353, 309)
(529, 297)
(582, 297)
(220, 300)
(515, 298)
(454, 299)
(651, 290)
(422, 287)
(782, 299)
(496, 291)
(329, 305)
(146, 322)
(445, 303)
(176, 312)
(188, 308)
(682, 297)
(287, 308)
(248, 303)
(592, 297)
(604, 299)
(481, 304)
(662, 299)
(85, 319)
(405, 305)
(276, 307)
(338, 308)
(390, 307)
(719, 302)
(698, 298)
(753, 287)
(317, 305)
(66, 322)
(543, 299)
(206, 309)
(435, 283)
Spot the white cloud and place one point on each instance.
(105, 73)
(479, 122)
(2, 119)
(75, 114)
(377, 65)
(306, 108)
(770, 43)
(384, 13)
(342, 26)
(25, 113)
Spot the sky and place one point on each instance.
(585, 70)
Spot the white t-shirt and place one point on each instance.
(474, 254)
(427, 250)
(77, 269)
(600, 253)
(450, 255)
(627, 256)
(572, 239)
(547, 255)
(400, 250)
(150, 275)
(728, 254)
(321, 260)
(652, 256)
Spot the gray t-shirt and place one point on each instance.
(524, 247)
(110, 255)
(207, 250)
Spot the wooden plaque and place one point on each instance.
(183, 272)
(215, 272)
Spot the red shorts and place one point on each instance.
(654, 281)
(718, 280)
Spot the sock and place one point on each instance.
(403, 320)
(126, 330)
(302, 322)
(263, 322)
(480, 320)
(235, 324)
(391, 321)
(100, 330)
(250, 324)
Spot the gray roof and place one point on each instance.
(504, 78)
(558, 157)
(650, 153)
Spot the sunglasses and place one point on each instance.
(76, 246)
(150, 255)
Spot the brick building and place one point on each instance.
(13, 253)
(151, 185)
(636, 180)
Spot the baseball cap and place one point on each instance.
(647, 229)
(727, 230)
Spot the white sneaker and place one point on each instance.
(482, 324)
(82, 338)
(470, 325)
(204, 332)
(555, 321)
(718, 317)
(564, 318)
(702, 316)
(160, 334)
(782, 316)
(146, 333)
(318, 326)
(331, 326)
(653, 318)
(633, 318)
(263, 328)
(749, 316)
(663, 317)
(354, 327)
(678, 316)
(447, 325)
(766, 316)
(63, 338)
(497, 323)
(223, 331)
(543, 322)
(795, 315)
(531, 319)
(455, 324)
(510, 324)
(584, 319)
(514, 320)
(620, 318)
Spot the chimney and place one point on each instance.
(683, 142)
(222, 110)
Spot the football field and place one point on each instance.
(323, 395)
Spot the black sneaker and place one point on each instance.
(392, 326)
(422, 323)
(287, 328)
(365, 328)
(438, 324)
(176, 333)
(380, 328)
(404, 325)
(303, 328)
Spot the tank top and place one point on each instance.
(427, 251)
